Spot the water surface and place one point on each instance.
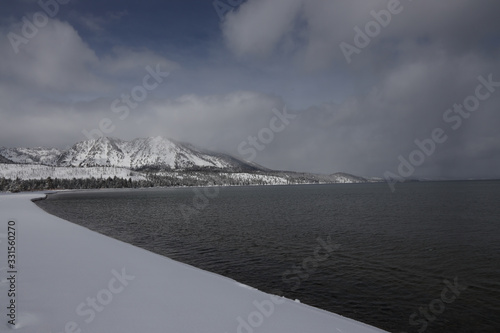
(392, 251)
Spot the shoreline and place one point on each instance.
(71, 278)
(53, 191)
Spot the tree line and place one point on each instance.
(151, 180)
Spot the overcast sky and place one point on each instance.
(360, 80)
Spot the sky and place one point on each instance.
(399, 89)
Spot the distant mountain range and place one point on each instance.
(154, 155)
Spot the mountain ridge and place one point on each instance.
(140, 153)
(154, 156)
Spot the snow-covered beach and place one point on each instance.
(70, 279)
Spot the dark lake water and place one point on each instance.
(425, 258)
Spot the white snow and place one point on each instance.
(137, 153)
(243, 176)
(345, 180)
(70, 279)
(33, 171)
(104, 151)
(31, 155)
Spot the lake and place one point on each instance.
(424, 258)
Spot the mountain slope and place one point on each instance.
(31, 155)
(101, 152)
(142, 153)
(5, 160)
(153, 156)
(342, 177)
(30, 171)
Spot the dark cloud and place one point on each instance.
(227, 77)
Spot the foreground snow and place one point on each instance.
(70, 279)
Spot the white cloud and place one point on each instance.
(55, 59)
(259, 26)
(221, 121)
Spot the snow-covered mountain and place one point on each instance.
(342, 177)
(155, 152)
(30, 155)
(4, 160)
(163, 157)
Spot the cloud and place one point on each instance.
(275, 22)
(259, 28)
(357, 117)
(311, 29)
(54, 59)
(122, 61)
(407, 77)
(43, 85)
(220, 122)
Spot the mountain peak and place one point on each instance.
(153, 152)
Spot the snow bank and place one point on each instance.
(70, 279)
